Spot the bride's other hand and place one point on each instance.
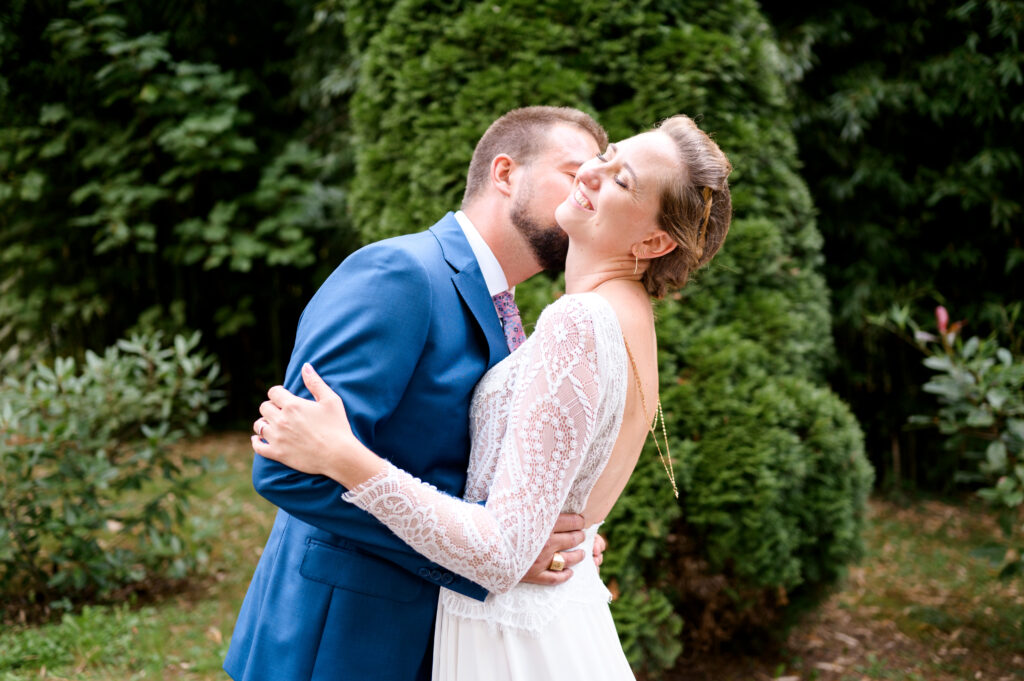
(312, 436)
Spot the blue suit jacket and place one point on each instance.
(402, 330)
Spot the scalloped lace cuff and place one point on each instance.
(365, 488)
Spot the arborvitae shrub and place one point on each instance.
(430, 82)
(770, 462)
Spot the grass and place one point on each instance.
(916, 609)
(182, 636)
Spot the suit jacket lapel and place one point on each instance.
(469, 281)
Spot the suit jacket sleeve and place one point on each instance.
(364, 332)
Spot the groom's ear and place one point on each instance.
(501, 173)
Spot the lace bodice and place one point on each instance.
(544, 422)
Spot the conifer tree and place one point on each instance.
(771, 466)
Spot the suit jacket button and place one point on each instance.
(424, 572)
(435, 575)
(448, 578)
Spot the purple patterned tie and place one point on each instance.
(511, 323)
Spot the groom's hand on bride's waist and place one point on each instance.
(556, 559)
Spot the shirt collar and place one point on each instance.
(494, 276)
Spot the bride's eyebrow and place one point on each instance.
(612, 147)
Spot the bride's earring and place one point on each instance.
(636, 263)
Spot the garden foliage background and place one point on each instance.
(194, 165)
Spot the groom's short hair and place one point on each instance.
(522, 133)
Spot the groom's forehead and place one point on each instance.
(568, 145)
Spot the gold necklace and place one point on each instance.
(666, 462)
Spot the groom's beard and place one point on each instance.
(549, 244)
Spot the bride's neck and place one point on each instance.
(585, 274)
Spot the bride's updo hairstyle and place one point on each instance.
(695, 207)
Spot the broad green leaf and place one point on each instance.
(979, 418)
(971, 347)
(52, 113)
(996, 457)
(997, 398)
(938, 362)
(32, 186)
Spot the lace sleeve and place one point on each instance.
(551, 424)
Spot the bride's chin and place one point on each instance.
(564, 217)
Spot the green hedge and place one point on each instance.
(770, 462)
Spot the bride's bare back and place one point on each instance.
(632, 306)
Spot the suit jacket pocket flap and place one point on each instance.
(346, 568)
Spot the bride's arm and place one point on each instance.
(552, 423)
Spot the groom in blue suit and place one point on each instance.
(403, 330)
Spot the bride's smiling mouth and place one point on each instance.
(581, 200)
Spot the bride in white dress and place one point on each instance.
(557, 427)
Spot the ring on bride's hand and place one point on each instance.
(557, 562)
(259, 431)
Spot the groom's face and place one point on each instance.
(547, 181)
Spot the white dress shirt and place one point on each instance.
(494, 276)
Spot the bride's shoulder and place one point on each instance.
(584, 313)
(577, 305)
(630, 306)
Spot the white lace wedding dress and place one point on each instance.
(544, 422)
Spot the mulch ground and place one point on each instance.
(867, 631)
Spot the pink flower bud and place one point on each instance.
(942, 318)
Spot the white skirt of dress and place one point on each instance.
(579, 641)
